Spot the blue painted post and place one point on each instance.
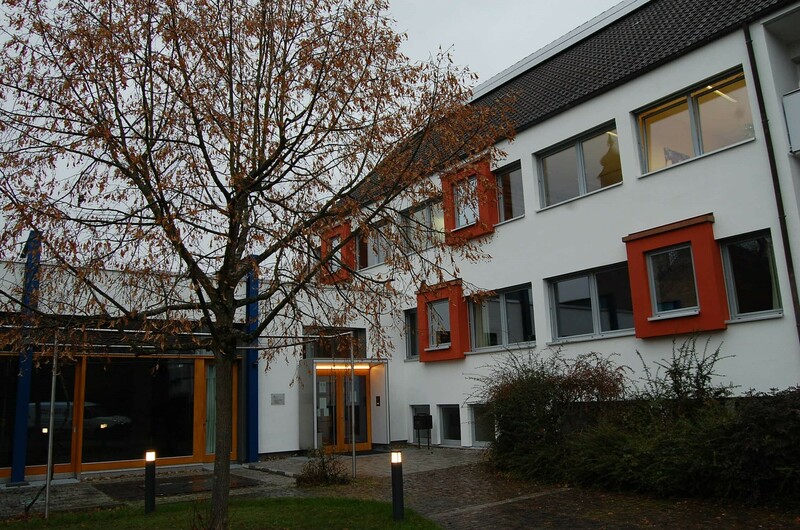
(251, 373)
(19, 447)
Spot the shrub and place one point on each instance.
(322, 469)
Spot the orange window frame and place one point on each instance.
(487, 203)
(712, 299)
(459, 322)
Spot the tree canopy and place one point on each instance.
(184, 144)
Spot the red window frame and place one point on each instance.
(348, 256)
(459, 321)
(487, 203)
(709, 279)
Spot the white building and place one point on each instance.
(651, 193)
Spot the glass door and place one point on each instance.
(337, 402)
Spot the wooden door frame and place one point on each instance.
(339, 376)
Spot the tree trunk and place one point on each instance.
(222, 447)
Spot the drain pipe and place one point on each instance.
(776, 186)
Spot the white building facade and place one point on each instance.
(651, 194)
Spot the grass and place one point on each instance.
(283, 513)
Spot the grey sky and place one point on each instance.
(488, 36)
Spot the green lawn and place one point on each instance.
(329, 513)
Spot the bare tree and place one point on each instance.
(187, 143)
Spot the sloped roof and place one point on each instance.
(656, 33)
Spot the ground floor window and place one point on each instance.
(133, 405)
(451, 424)
(482, 425)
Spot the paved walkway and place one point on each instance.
(451, 486)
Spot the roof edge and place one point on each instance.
(578, 34)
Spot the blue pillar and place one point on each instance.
(19, 447)
(251, 374)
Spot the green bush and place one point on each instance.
(581, 421)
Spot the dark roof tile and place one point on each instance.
(657, 32)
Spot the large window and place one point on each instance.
(580, 166)
(593, 303)
(412, 337)
(423, 226)
(439, 323)
(672, 281)
(510, 203)
(335, 263)
(709, 117)
(372, 248)
(505, 318)
(465, 199)
(750, 274)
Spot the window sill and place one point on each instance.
(593, 337)
(462, 227)
(517, 218)
(517, 346)
(414, 359)
(441, 347)
(368, 267)
(755, 317)
(698, 157)
(675, 314)
(579, 197)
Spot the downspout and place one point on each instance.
(776, 185)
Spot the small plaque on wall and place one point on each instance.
(277, 399)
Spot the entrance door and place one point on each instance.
(338, 400)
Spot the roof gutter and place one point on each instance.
(776, 185)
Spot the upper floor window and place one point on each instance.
(423, 226)
(335, 264)
(510, 203)
(708, 117)
(750, 275)
(439, 323)
(465, 200)
(412, 337)
(469, 197)
(672, 281)
(335, 343)
(592, 303)
(505, 318)
(372, 248)
(580, 166)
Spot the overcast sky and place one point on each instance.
(488, 36)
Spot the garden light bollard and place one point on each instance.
(397, 485)
(149, 481)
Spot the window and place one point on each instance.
(505, 318)
(372, 247)
(672, 281)
(594, 303)
(579, 167)
(510, 203)
(710, 117)
(335, 343)
(750, 276)
(483, 429)
(412, 338)
(451, 424)
(465, 199)
(423, 226)
(439, 323)
(335, 264)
